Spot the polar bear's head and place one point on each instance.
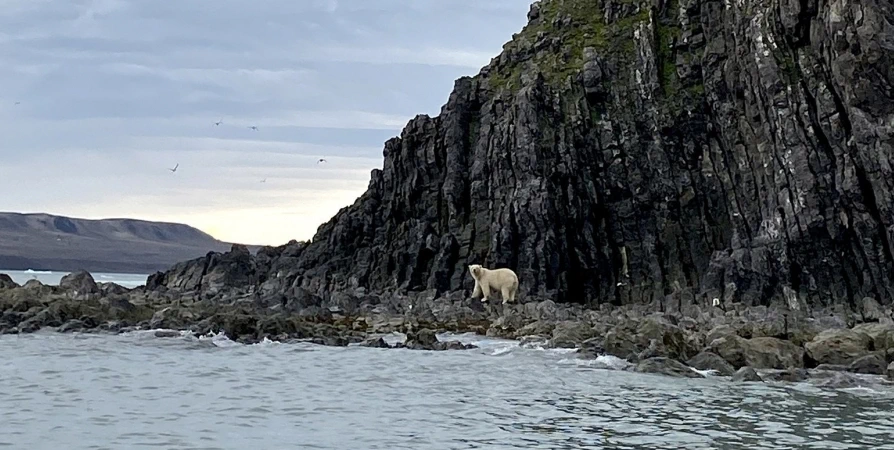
(475, 270)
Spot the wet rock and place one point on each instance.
(759, 353)
(506, 326)
(79, 283)
(832, 367)
(789, 375)
(172, 317)
(533, 341)
(330, 341)
(835, 380)
(570, 334)
(167, 334)
(711, 361)
(72, 325)
(841, 346)
(374, 342)
(424, 339)
(454, 345)
(873, 364)
(890, 371)
(666, 366)
(746, 374)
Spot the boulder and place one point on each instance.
(79, 283)
(746, 374)
(882, 335)
(838, 346)
(872, 364)
(6, 282)
(570, 334)
(759, 353)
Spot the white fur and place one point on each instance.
(503, 280)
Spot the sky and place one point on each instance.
(99, 98)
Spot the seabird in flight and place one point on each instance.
(253, 128)
(175, 168)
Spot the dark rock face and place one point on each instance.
(666, 152)
(213, 274)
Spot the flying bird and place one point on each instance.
(18, 103)
(253, 128)
(264, 180)
(175, 168)
(321, 161)
(218, 122)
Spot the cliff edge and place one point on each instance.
(636, 151)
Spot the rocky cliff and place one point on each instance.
(627, 151)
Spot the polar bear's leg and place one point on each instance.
(507, 293)
(512, 292)
(485, 290)
(477, 291)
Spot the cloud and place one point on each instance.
(113, 92)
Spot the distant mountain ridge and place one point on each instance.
(50, 242)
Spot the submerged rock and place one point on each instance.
(873, 364)
(374, 342)
(746, 374)
(711, 361)
(666, 366)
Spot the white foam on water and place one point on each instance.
(39, 272)
(218, 339)
(606, 362)
(706, 373)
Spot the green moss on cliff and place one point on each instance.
(554, 42)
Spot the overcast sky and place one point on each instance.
(112, 93)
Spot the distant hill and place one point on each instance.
(48, 242)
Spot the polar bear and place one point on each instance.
(503, 280)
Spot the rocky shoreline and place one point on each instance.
(788, 345)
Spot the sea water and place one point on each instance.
(136, 390)
(128, 280)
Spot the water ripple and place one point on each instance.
(135, 390)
